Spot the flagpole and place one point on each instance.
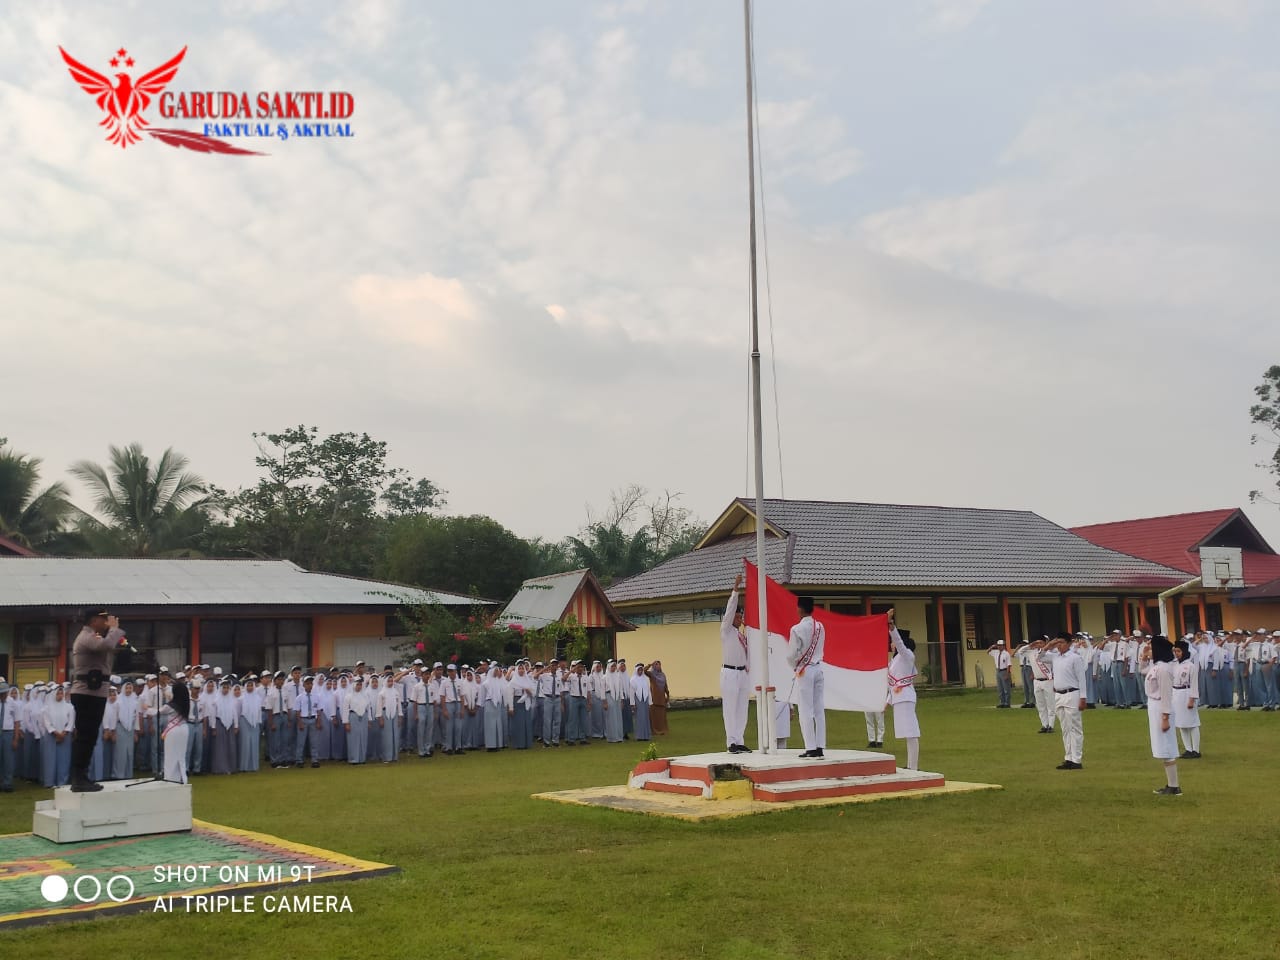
(764, 711)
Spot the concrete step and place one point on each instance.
(114, 811)
(689, 788)
(824, 787)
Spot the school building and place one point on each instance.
(960, 578)
(239, 615)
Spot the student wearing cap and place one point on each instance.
(550, 699)
(1022, 657)
(1238, 647)
(735, 673)
(1002, 661)
(1185, 673)
(1067, 672)
(451, 712)
(577, 730)
(195, 726)
(10, 732)
(1159, 689)
(1267, 664)
(292, 690)
(422, 714)
(307, 724)
(277, 720)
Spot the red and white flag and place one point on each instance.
(855, 662)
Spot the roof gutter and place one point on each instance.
(1172, 591)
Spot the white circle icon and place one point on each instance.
(53, 888)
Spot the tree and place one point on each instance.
(1266, 414)
(473, 554)
(322, 502)
(635, 533)
(145, 509)
(29, 515)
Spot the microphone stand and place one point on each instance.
(157, 772)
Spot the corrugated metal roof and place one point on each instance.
(74, 582)
(906, 547)
(543, 600)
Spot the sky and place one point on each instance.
(1019, 254)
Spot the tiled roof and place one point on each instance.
(14, 548)
(900, 546)
(1264, 591)
(1173, 541)
(71, 582)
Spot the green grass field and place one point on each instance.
(1058, 864)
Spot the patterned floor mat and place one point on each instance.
(211, 869)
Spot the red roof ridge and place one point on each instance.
(1220, 512)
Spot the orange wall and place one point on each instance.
(324, 630)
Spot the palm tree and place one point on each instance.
(147, 510)
(30, 516)
(611, 553)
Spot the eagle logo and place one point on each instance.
(124, 100)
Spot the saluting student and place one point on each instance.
(1067, 671)
(902, 692)
(735, 675)
(1185, 672)
(805, 649)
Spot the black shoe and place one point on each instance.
(1168, 792)
(1194, 755)
(880, 744)
(1028, 706)
(1070, 765)
(743, 748)
(80, 783)
(871, 744)
(314, 764)
(299, 764)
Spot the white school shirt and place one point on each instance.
(733, 645)
(1068, 671)
(801, 639)
(12, 712)
(1001, 657)
(356, 702)
(59, 717)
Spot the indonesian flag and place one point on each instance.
(855, 661)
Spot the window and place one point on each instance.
(708, 614)
(157, 642)
(239, 646)
(36, 639)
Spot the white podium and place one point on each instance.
(117, 810)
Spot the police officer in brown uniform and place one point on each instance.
(91, 657)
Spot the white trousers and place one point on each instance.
(875, 727)
(1044, 702)
(175, 754)
(813, 711)
(1072, 725)
(735, 690)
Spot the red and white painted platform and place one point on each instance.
(714, 786)
(780, 777)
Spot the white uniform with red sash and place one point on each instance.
(902, 691)
(804, 653)
(735, 678)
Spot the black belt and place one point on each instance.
(729, 667)
(1187, 687)
(1068, 690)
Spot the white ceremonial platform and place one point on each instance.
(119, 809)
